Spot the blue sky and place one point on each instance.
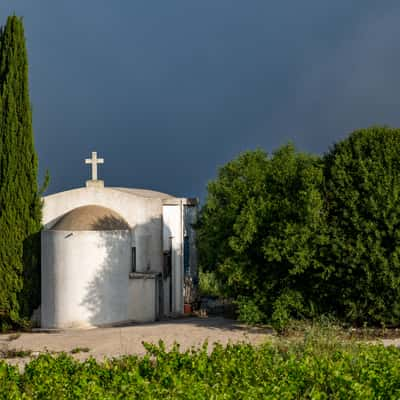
(168, 91)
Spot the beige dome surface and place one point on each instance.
(91, 218)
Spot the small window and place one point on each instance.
(167, 263)
(133, 266)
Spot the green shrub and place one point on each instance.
(260, 230)
(248, 311)
(208, 284)
(362, 256)
(300, 236)
(287, 306)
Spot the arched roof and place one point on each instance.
(91, 218)
(144, 193)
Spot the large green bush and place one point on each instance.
(293, 235)
(362, 194)
(261, 228)
(309, 370)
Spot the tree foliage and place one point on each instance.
(294, 235)
(260, 228)
(363, 202)
(20, 205)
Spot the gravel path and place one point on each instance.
(117, 341)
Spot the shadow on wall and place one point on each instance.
(107, 294)
(109, 223)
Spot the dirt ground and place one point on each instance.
(117, 341)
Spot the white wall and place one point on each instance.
(68, 260)
(143, 214)
(142, 242)
(142, 300)
(85, 278)
(172, 227)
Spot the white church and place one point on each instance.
(114, 255)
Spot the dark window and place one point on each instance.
(133, 267)
(167, 263)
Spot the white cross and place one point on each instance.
(94, 161)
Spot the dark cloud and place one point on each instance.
(168, 91)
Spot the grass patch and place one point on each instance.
(209, 285)
(14, 353)
(326, 326)
(77, 350)
(13, 336)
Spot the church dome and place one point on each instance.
(91, 218)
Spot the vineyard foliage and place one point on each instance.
(241, 371)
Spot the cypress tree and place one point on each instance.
(20, 204)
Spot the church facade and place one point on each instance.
(114, 255)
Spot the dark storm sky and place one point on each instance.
(167, 91)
